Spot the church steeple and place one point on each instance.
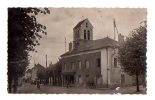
(83, 31)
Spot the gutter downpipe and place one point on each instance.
(107, 67)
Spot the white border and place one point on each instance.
(149, 4)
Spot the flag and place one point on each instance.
(115, 29)
(114, 23)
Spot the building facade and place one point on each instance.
(91, 61)
(27, 76)
(35, 70)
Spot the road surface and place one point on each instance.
(28, 88)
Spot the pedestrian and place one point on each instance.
(38, 84)
(67, 84)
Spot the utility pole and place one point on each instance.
(46, 60)
(46, 71)
(65, 44)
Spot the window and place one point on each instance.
(78, 44)
(88, 35)
(79, 63)
(79, 79)
(98, 62)
(115, 62)
(87, 64)
(65, 67)
(122, 79)
(87, 75)
(122, 67)
(85, 34)
(86, 25)
(74, 34)
(78, 35)
(73, 66)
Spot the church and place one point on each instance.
(92, 61)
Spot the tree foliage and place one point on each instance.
(132, 53)
(54, 69)
(49, 70)
(24, 33)
(57, 69)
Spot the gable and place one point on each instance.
(89, 25)
(82, 23)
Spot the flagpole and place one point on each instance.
(114, 28)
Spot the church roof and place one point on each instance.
(79, 23)
(93, 45)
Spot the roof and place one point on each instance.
(93, 45)
(38, 66)
(79, 23)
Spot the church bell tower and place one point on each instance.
(82, 32)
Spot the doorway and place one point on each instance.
(122, 79)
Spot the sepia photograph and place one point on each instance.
(77, 50)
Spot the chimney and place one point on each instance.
(70, 46)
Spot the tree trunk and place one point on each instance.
(15, 84)
(137, 81)
(10, 79)
(9, 83)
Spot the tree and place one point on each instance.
(132, 53)
(54, 71)
(49, 73)
(24, 33)
(57, 71)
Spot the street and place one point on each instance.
(28, 88)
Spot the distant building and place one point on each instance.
(92, 61)
(35, 69)
(27, 76)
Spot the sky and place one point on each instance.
(61, 21)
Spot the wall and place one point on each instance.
(78, 33)
(106, 75)
(111, 76)
(89, 27)
(34, 74)
(104, 66)
(129, 80)
(92, 71)
(115, 71)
